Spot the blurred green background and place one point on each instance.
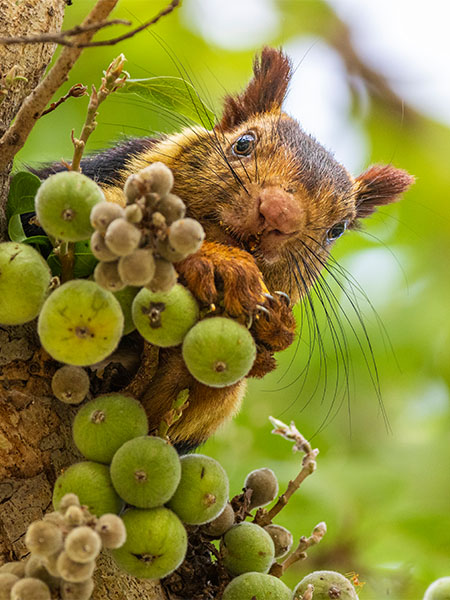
(383, 478)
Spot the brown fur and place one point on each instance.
(243, 258)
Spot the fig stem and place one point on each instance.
(67, 258)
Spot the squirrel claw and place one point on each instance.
(263, 308)
(285, 296)
(268, 296)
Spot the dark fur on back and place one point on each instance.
(104, 166)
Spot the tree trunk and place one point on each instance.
(35, 428)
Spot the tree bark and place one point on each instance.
(35, 428)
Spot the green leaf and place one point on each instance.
(22, 191)
(84, 263)
(173, 94)
(15, 229)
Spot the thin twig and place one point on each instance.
(172, 6)
(15, 136)
(299, 553)
(114, 78)
(301, 444)
(76, 91)
(59, 37)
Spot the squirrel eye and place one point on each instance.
(336, 231)
(244, 145)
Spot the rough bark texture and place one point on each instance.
(35, 428)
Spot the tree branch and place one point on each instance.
(33, 106)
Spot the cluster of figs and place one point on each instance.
(133, 286)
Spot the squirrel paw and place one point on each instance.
(274, 325)
(226, 276)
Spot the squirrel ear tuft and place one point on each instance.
(265, 92)
(381, 184)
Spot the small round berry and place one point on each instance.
(43, 538)
(64, 203)
(106, 274)
(256, 586)
(172, 208)
(30, 588)
(122, 237)
(186, 236)
(104, 213)
(247, 547)
(99, 248)
(67, 501)
(111, 530)
(7, 581)
(71, 570)
(221, 524)
(327, 584)
(158, 178)
(16, 567)
(438, 590)
(202, 492)
(24, 283)
(70, 384)
(35, 567)
(164, 318)
(74, 516)
(82, 544)
(133, 213)
(167, 251)
(164, 278)
(281, 537)
(137, 268)
(81, 590)
(264, 485)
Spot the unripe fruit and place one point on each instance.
(55, 517)
(70, 384)
(186, 236)
(202, 492)
(102, 425)
(111, 530)
(82, 544)
(30, 588)
(165, 250)
(247, 547)
(164, 278)
(16, 567)
(34, 567)
(218, 526)
(172, 208)
(104, 213)
(145, 471)
(67, 501)
(80, 323)
(137, 268)
(438, 590)
(91, 482)
(164, 318)
(125, 297)
(134, 188)
(106, 274)
(71, 570)
(264, 486)
(74, 516)
(281, 537)
(156, 543)
(122, 237)
(43, 538)
(7, 581)
(24, 283)
(133, 213)
(50, 564)
(158, 178)
(256, 586)
(327, 584)
(82, 590)
(99, 248)
(218, 351)
(63, 205)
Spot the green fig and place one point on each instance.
(247, 547)
(256, 586)
(326, 584)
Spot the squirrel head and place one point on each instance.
(258, 181)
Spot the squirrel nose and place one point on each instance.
(281, 210)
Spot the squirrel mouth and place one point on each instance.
(268, 243)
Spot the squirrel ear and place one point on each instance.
(381, 184)
(265, 92)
